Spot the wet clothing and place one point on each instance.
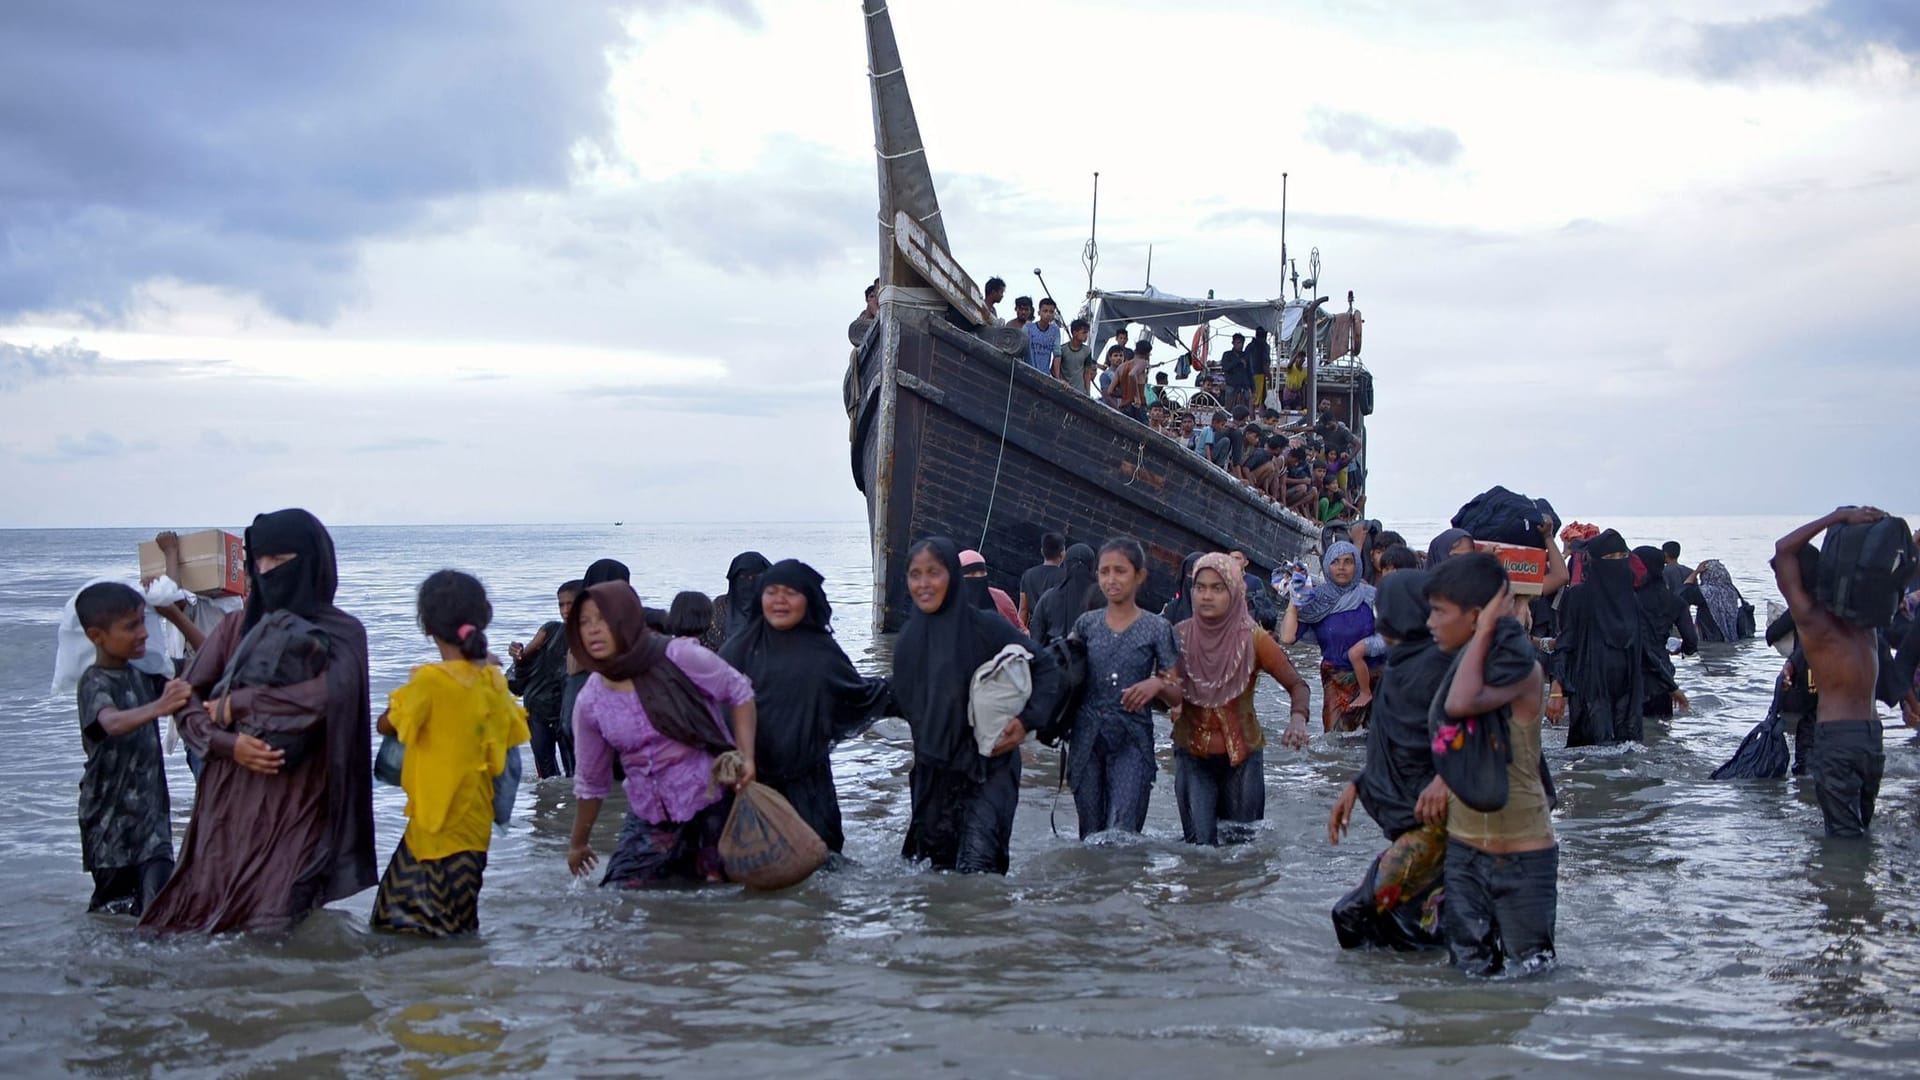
(540, 678)
(963, 802)
(1399, 763)
(1500, 910)
(264, 850)
(124, 811)
(1210, 790)
(432, 898)
(1606, 650)
(1526, 817)
(1848, 759)
(1110, 759)
(807, 698)
(666, 779)
(457, 720)
(126, 833)
(1411, 924)
(652, 853)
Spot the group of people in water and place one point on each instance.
(1435, 656)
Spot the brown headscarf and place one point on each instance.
(1216, 655)
(675, 706)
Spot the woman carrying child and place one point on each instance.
(1218, 746)
(1339, 612)
(457, 720)
(274, 836)
(654, 702)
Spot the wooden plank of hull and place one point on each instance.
(1068, 464)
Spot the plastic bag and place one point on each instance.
(392, 755)
(73, 654)
(1762, 754)
(996, 693)
(765, 843)
(386, 763)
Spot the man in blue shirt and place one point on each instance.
(1043, 336)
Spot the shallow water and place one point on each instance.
(1704, 928)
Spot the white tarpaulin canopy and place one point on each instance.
(1165, 314)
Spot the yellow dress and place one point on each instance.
(457, 720)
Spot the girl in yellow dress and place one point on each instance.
(457, 720)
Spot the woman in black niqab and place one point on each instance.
(738, 608)
(1602, 643)
(1054, 613)
(808, 696)
(963, 802)
(1180, 608)
(270, 842)
(1663, 613)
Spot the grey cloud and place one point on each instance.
(91, 446)
(1381, 143)
(398, 444)
(1833, 35)
(255, 147)
(23, 364)
(1355, 225)
(724, 397)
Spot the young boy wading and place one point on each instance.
(1847, 750)
(1502, 867)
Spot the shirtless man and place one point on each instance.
(1847, 752)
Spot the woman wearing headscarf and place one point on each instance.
(1180, 608)
(653, 702)
(1601, 679)
(1339, 612)
(1665, 616)
(1717, 603)
(1447, 545)
(741, 603)
(272, 838)
(983, 595)
(807, 694)
(1219, 749)
(1399, 767)
(963, 801)
(1077, 593)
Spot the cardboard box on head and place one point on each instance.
(212, 563)
(1526, 567)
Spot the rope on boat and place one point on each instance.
(1005, 422)
(1139, 460)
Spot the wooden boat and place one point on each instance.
(954, 434)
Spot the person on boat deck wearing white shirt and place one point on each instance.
(1044, 336)
(995, 291)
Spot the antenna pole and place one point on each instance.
(1092, 255)
(1283, 240)
(1149, 266)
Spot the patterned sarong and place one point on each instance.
(1338, 688)
(432, 897)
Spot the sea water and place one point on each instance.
(1704, 929)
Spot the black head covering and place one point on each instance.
(306, 584)
(605, 570)
(1440, 549)
(1055, 612)
(978, 592)
(1612, 608)
(1400, 605)
(1180, 608)
(743, 584)
(933, 664)
(807, 694)
(676, 707)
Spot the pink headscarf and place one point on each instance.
(1216, 655)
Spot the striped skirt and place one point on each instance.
(430, 897)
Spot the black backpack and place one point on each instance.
(1069, 654)
(1864, 569)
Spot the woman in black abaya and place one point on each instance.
(1601, 683)
(807, 692)
(738, 607)
(1662, 614)
(963, 801)
(1055, 612)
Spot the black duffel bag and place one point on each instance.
(1506, 517)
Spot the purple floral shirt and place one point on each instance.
(666, 780)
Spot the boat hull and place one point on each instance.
(954, 437)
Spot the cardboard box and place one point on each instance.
(1526, 567)
(212, 563)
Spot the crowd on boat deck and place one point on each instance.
(1450, 670)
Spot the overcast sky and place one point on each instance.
(461, 261)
